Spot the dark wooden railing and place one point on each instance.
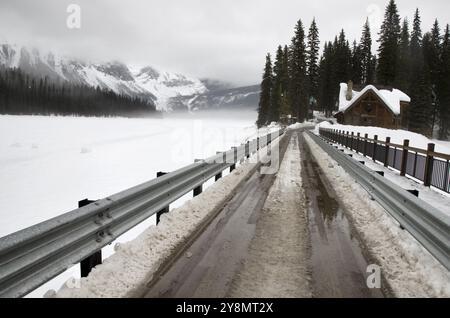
(426, 165)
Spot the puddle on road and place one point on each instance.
(337, 262)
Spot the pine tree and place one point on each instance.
(389, 46)
(312, 62)
(416, 40)
(357, 70)
(298, 76)
(444, 87)
(342, 59)
(404, 59)
(365, 50)
(432, 56)
(328, 87)
(266, 93)
(285, 82)
(421, 109)
(277, 89)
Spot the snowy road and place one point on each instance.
(338, 265)
(282, 235)
(207, 267)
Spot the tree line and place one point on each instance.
(300, 80)
(23, 94)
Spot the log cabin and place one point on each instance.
(387, 108)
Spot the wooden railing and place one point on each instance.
(426, 165)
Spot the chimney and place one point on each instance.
(349, 94)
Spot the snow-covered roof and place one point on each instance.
(391, 98)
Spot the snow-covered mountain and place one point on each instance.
(145, 82)
(241, 97)
(168, 91)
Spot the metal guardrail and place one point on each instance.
(33, 256)
(427, 224)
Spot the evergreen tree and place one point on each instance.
(421, 109)
(365, 51)
(371, 72)
(357, 70)
(444, 87)
(404, 59)
(285, 78)
(416, 40)
(297, 69)
(266, 94)
(312, 62)
(389, 46)
(328, 86)
(23, 94)
(432, 56)
(285, 82)
(277, 89)
(342, 59)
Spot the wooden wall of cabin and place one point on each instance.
(370, 111)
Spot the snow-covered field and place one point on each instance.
(48, 164)
(397, 136)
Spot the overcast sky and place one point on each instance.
(221, 39)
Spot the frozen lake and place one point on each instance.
(48, 164)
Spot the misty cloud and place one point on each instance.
(205, 38)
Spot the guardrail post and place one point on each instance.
(233, 166)
(386, 154)
(223, 160)
(247, 149)
(428, 166)
(198, 190)
(404, 157)
(375, 141)
(166, 209)
(95, 259)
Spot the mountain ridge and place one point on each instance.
(168, 91)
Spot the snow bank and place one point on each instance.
(397, 136)
(305, 124)
(127, 271)
(409, 268)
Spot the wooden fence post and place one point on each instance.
(386, 153)
(404, 157)
(375, 141)
(428, 166)
(366, 136)
(347, 139)
(351, 140)
(358, 138)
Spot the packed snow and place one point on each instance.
(125, 273)
(48, 164)
(391, 98)
(410, 270)
(397, 135)
(277, 261)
